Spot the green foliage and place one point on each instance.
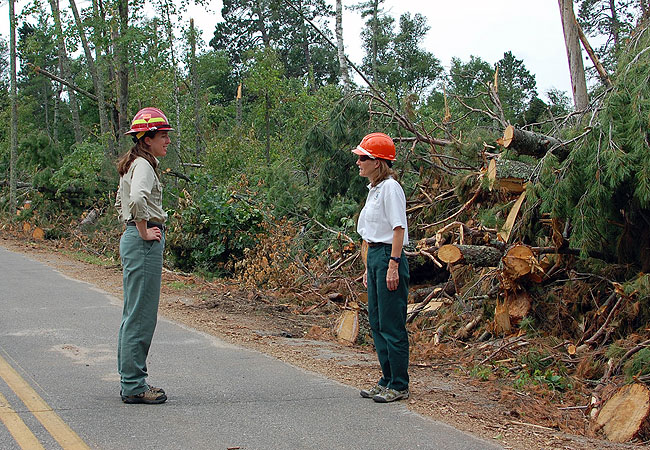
(480, 372)
(82, 175)
(606, 178)
(638, 366)
(212, 226)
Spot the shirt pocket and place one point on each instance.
(373, 210)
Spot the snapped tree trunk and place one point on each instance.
(574, 55)
(64, 65)
(175, 161)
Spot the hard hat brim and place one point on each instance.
(361, 151)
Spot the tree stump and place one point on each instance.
(346, 328)
(626, 415)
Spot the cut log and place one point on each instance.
(427, 310)
(518, 261)
(38, 234)
(626, 415)
(529, 143)
(476, 255)
(347, 326)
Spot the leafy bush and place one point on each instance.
(211, 227)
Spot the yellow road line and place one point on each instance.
(60, 431)
(21, 433)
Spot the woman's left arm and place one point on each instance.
(392, 275)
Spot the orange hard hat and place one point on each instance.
(377, 146)
(148, 119)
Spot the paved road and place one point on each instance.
(59, 386)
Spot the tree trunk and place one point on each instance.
(375, 28)
(529, 143)
(121, 46)
(175, 161)
(267, 123)
(14, 109)
(98, 83)
(476, 255)
(343, 61)
(194, 80)
(574, 55)
(64, 65)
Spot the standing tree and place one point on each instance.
(98, 83)
(343, 61)
(574, 55)
(65, 71)
(517, 87)
(14, 108)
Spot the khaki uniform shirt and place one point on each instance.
(139, 196)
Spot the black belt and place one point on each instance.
(162, 226)
(377, 244)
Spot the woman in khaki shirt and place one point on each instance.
(139, 203)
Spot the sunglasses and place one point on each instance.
(363, 158)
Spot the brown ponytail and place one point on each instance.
(139, 149)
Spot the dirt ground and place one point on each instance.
(439, 389)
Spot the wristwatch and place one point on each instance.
(396, 259)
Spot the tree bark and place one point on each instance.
(98, 83)
(64, 65)
(340, 48)
(574, 55)
(476, 255)
(14, 109)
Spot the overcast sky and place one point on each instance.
(531, 29)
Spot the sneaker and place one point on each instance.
(151, 396)
(370, 393)
(390, 395)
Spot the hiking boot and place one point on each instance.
(370, 393)
(390, 395)
(152, 396)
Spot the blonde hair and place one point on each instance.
(139, 149)
(383, 172)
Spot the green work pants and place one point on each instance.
(142, 269)
(387, 317)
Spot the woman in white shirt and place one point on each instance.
(382, 225)
(139, 203)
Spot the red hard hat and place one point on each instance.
(377, 146)
(148, 119)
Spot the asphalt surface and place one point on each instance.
(58, 343)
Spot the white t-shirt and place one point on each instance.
(385, 210)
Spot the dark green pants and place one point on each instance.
(142, 269)
(387, 317)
